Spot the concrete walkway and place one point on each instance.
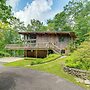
(9, 59)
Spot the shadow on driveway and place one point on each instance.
(6, 81)
(26, 79)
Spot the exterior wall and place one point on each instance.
(41, 53)
(34, 53)
(55, 40)
(52, 38)
(47, 38)
(63, 45)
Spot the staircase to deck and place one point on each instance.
(55, 48)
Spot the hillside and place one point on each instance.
(81, 57)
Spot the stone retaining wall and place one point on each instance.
(83, 74)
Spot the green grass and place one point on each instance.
(20, 63)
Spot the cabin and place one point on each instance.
(40, 44)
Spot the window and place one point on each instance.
(32, 36)
(33, 41)
(61, 39)
(62, 51)
(25, 37)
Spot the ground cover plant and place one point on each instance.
(49, 58)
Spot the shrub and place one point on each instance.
(4, 54)
(44, 60)
(37, 61)
(80, 58)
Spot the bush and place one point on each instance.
(51, 57)
(38, 61)
(80, 58)
(4, 54)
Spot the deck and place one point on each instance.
(34, 46)
(31, 46)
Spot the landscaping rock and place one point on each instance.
(83, 74)
(87, 82)
(79, 80)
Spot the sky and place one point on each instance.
(41, 10)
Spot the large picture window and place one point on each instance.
(32, 36)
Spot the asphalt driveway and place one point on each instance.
(26, 79)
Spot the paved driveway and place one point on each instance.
(9, 59)
(26, 79)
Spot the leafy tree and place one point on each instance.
(5, 11)
(17, 25)
(36, 25)
(80, 15)
(8, 33)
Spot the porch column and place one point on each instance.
(47, 52)
(36, 53)
(14, 53)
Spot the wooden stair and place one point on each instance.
(55, 48)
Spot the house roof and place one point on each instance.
(72, 34)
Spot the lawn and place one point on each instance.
(20, 63)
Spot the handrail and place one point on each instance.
(31, 45)
(55, 46)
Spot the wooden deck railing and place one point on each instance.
(43, 45)
(39, 45)
(55, 48)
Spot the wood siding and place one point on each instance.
(54, 39)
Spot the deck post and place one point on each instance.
(19, 53)
(36, 53)
(5, 52)
(47, 52)
(14, 53)
(26, 53)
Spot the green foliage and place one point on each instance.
(5, 11)
(81, 57)
(72, 46)
(51, 57)
(7, 34)
(36, 25)
(59, 22)
(2, 53)
(37, 61)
